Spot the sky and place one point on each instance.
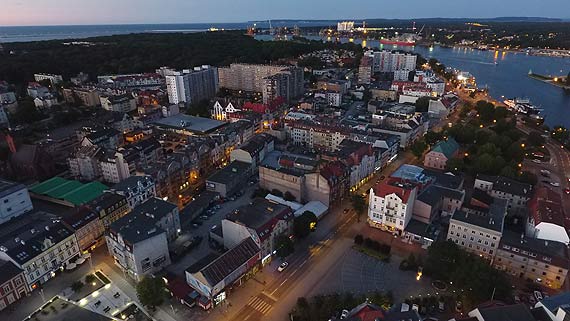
(63, 12)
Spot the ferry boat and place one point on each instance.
(523, 106)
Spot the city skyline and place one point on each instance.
(39, 12)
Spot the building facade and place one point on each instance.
(14, 200)
(192, 85)
(12, 284)
(391, 205)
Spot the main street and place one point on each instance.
(309, 263)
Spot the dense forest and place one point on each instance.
(144, 53)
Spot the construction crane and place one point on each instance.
(420, 32)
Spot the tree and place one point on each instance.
(359, 205)
(500, 113)
(284, 246)
(485, 110)
(456, 165)
(422, 104)
(418, 148)
(535, 139)
(151, 291)
(432, 137)
(77, 286)
(358, 239)
(200, 108)
(304, 224)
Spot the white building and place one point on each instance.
(516, 194)
(137, 189)
(478, 231)
(192, 85)
(263, 221)
(54, 79)
(122, 103)
(332, 98)
(138, 242)
(391, 205)
(14, 200)
(115, 168)
(222, 113)
(345, 26)
(38, 243)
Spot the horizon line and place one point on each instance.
(281, 19)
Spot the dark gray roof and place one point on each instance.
(260, 212)
(492, 220)
(235, 170)
(25, 237)
(421, 229)
(7, 187)
(141, 223)
(481, 196)
(131, 183)
(516, 312)
(194, 124)
(443, 179)
(508, 185)
(105, 201)
(550, 252)
(202, 263)
(228, 262)
(431, 195)
(8, 271)
(540, 314)
(410, 315)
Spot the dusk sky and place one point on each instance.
(60, 12)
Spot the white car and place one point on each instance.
(555, 184)
(536, 161)
(282, 266)
(545, 171)
(344, 314)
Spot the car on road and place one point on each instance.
(567, 190)
(458, 306)
(555, 184)
(204, 217)
(282, 266)
(344, 314)
(213, 227)
(537, 161)
(544, 172)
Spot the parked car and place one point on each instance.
(544, 172)
(536, 161)
(567, 190)
(344, 314)
(538, 296)
(555, 184)
(282, 266)
(204, 217)
(458, 306)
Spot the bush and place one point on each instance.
(90, 278)
(77, 286)
(358, 239)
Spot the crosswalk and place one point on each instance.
(260, 305)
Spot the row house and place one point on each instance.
(109, 207)
(136, 190)
(12, 284)
(478, 230)
(516, 194)
(39, 244)
(541, 261)
(138, 242)
(263, 221)
(87, 226)
(316, 135)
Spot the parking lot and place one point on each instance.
(190, 230)
(360, 273)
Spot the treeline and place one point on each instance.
(145, 52)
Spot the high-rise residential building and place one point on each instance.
(252, 78)
(275, 86)
(54, 79)
(388, 61)
(189, 86)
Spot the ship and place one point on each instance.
(523, 106)
(405, 40)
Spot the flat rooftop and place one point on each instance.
(197, 125)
